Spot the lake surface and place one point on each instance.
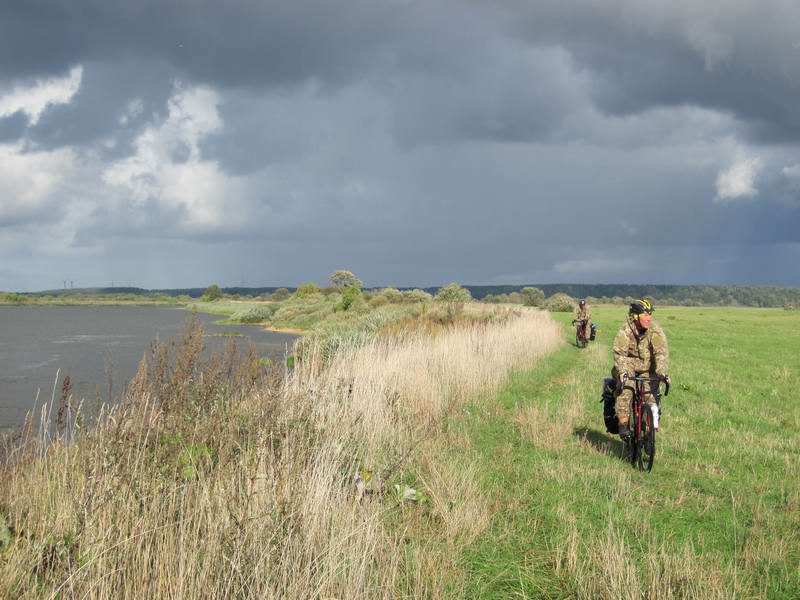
(86, 343)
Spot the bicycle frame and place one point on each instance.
(637, 443)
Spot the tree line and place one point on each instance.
(532, 295)
(673, 295)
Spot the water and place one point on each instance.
(88, 344)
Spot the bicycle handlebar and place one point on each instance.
(648, 379)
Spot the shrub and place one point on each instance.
(212, 293)
(532, 296)
(280, 295)
(255, 314)
(392, 295)
(453, 293)
(304, 290)
(349, 298)
(445, 313)
(560, 303)
(413, 296)
(378, 300)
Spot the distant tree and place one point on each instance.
(280, 295)
(345, 279)
(453, 293)
(304, 290)
(212, 293)
(532, 296)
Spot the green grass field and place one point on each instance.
(719, 516)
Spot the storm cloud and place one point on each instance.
(173, 144)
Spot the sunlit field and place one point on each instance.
(719, 516)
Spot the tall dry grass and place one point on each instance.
(217, 479)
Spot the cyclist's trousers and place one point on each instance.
(623, 403)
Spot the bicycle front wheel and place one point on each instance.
(648, 438)
(633, 439)
(580, 341)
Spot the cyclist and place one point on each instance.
(639, 348)
(583, 314)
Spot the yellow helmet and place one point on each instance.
(641, 306)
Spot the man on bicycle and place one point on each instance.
(640, 347)
(582, 314)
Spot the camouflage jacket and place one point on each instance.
(645, 352)
(584, 314)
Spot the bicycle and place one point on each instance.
(581, 341)
(640, 446)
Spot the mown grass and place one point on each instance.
(719, 517)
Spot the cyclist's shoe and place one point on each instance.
(624, 431)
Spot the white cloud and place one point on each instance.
(168, 169)
(739, 181)
(30, 181)
(35, 98)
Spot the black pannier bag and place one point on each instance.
(608, 400)
(593, 334)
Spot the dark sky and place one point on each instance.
(181, 143)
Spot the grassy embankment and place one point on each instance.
(90, 299)
(719, 516)
(324, 311)
(213, 480)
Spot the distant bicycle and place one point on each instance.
(640, 446)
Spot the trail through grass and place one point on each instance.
(719, 517)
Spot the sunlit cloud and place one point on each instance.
(169, 172)
(35, 98)
(739, 181)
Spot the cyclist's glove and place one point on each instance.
(666, 380)
(621, 382)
